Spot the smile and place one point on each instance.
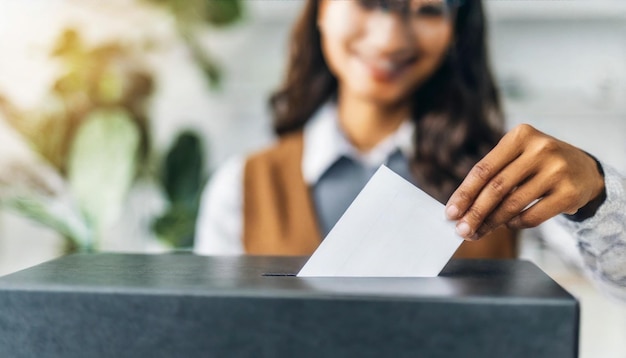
(386, 70)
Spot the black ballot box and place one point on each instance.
(181, 305)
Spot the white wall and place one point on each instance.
(572, 76)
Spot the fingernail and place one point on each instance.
(452, 212)
(463, 229)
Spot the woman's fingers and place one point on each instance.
(522, 198)
(483, 172)
(526, 167)
(498, 192)
(538, 213)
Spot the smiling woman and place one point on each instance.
(401, 83)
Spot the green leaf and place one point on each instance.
(110, 87)
(176, 227)
(223, 12)
(211, 73)
(102, 164)
(68, 44)
(182, 170)
(53, 214)
(182, 179)
(210, 68)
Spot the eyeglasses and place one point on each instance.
(414, 8)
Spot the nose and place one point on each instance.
(389, 34)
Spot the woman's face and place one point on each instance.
(381, 55)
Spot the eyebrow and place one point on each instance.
(400, 5)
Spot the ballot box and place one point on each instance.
(181, 305)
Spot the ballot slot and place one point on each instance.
(279, 274)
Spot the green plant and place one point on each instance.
(92, 128)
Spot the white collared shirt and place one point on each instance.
(220, 222)
(325, 143)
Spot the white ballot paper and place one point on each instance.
(391, 229)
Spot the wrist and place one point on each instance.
(590, 209)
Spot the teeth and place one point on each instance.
(386, 65)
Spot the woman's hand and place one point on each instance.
(525, 180)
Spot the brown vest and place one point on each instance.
(279, 217)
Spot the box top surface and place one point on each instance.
(186, 274)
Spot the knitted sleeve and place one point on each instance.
(602, 238)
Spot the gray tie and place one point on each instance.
(342, 182)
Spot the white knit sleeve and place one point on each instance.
(601, 239)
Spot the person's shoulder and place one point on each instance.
(230, 167)
(225, 176)
(285, 146)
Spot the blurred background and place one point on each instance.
(114, 114)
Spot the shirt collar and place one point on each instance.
(325, 143)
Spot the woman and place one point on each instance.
(402, 83)
(407, 84)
